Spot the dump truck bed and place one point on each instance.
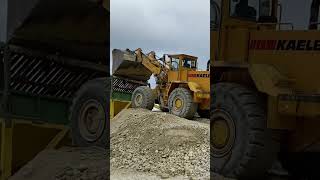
(74, 28)
(53, 47)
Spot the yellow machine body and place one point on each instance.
(116, 106)
(191, 78)
(22, 141)
(283, 64)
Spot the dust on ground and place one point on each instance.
(159, 145)
(67, 163)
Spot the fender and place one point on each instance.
(269, 80)
(194, 87)
(265, 78)
(198, 92)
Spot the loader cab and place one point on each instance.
(230, 22)
(181, 65)
(234, 11)
(182, 61)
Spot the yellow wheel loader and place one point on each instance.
(265, 96)
(181, 88)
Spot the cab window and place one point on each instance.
(214, 14)
(251, 9)
(265, 8)
(174, 64)
(244, 8)
(188, 63)
(194, 64)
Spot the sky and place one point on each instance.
(163, 26)
(178, 26)
(296, 12)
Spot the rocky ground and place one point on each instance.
(66, 164)
(160, 145)
(145, 145)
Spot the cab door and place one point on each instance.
(173, 74)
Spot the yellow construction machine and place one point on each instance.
(181, 88)
(265, 93)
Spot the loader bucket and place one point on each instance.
(125, 65)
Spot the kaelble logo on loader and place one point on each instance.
(285, 45)
(199, 75)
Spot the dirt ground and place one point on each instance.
(145, 145)
(66, 164)
(159, 145)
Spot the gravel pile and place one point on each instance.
(160, 143)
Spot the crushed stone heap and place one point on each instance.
(160, 143)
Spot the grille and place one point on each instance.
(124, 85)
(40, 76)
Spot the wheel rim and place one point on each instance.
(221, 128)
(223, 133)
(178, 103)
(138, 100)
(92, 120)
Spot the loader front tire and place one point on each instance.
(89, 115)
(181, 103)
(142, 97)
(241, 144)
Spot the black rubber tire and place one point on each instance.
(188, 109)
(164, 109)
(253, 150)
(301, 165)
(147, 98)
(98, 91)
(204, 113)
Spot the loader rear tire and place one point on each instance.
(181, 103)
(301, 165)
(89, 116)
(142, 97)
(241, 144)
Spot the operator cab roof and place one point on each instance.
(183, 55)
